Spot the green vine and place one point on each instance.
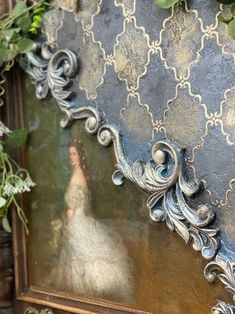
(166, 4)
(17, 29)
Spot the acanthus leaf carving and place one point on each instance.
(52, 75)
(223, 269)
(164, 180)
(223, 308)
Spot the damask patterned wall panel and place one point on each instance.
(159, 75)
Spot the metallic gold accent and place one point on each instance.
(227, 115)
(68, 5)
(93, 67)
(128, 6)
(209, 9)
(137, 115)
(87, 11)
(131, 53)
(187, 132)
(52, 22)
(180, 41)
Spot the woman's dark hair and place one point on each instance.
(77, 144)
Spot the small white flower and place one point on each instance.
(4, 129)
(9, 189)
(28, 181)
(18, 183)
(25, 182)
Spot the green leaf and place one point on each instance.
(17, 138)
(33, 30)
(25, 45)
(223, 19)
(2, 201)
(165, 4)
(5, 224)
(35, 24)
(39, 10)
(24, 22)
(233, 9)
(3, 53)
(15, 37)
(37, 18)
(10, 33)
(231, 29)
(7, 54)
(19, 8)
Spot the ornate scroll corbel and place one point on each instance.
(52, 74)
(224, 270)
(163, 176)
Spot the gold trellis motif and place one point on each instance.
(181, 48)
(132, 119)
(203, 9)
(227, 115)
(93, 56)
(224, 38)
(127, 5)
(131, 53)
(88, 10)
(52, 22)
(188, 131)
(181, 41)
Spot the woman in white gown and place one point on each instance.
(93, 258)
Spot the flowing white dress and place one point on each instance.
(93, 258)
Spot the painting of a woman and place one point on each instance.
(93, 259)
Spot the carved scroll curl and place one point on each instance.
(163, 178)
(223, 269)
(52, 74)
(223, 308)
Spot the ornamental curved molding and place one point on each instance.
(224, 269)
(52, 74)
(162, 176)
(223, 308)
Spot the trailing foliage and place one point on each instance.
(13, 179)
(16, 31)
(166, 4)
